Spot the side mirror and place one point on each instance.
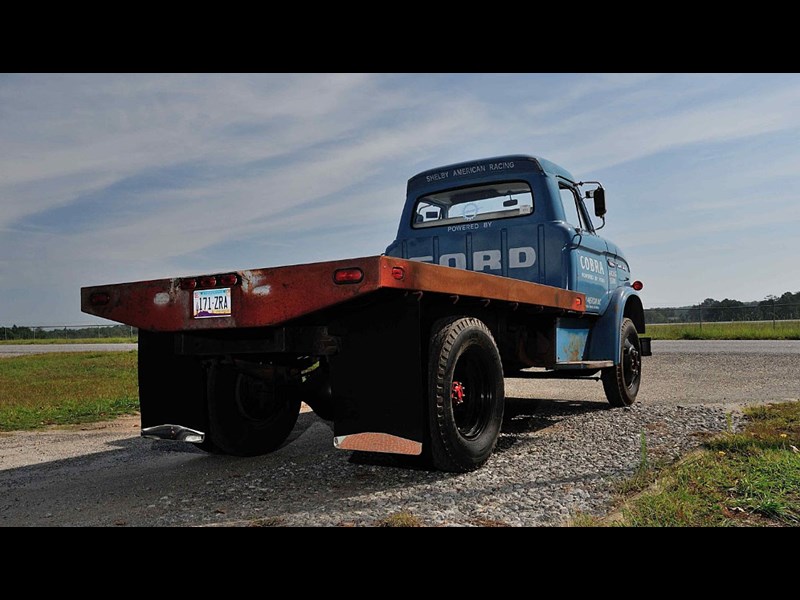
(599, 196)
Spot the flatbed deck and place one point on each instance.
(271, 296)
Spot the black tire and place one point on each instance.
(463, 426)
(247, 416)
(621, 382)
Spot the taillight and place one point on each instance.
(637, 285)
(351, 275)
(228, 280)
(99, 298)
(210, 281)
(398, 273)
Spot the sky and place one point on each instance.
(108, 178)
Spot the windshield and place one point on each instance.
(477, 203)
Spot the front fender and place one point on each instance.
(604, 339)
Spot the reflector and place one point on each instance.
(99, 299)
(353, 275)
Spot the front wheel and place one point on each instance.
(247, 415)
(465, 394)
(621, 382)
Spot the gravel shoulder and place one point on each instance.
(560, 453)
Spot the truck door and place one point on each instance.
(587, 254)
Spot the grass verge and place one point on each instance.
(780, 330)
(751, 478)
(66, 388)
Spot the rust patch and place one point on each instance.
(275, 295)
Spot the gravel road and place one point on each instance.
(560, 452)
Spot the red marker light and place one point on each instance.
(207, 282)
(398, 273)
(99, 298)
(637, 285)
(352, 275)
(228, 279)
(188, 283)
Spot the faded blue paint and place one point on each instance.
(563, 255)
(572, 336)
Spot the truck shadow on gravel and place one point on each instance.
(150, 482)
(526, 415)
(522, 416)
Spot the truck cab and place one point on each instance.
(515, 216)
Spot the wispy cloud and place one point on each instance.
(113, 177)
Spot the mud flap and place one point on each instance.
(377, 378)
(172, 388)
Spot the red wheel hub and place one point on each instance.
(458, 393)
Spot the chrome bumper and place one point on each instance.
(174, 432)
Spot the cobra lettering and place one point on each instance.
(486, 260)
(592, 264)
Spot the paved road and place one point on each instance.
(696, 372)
(659, 346)
(106, 474)
(20, 349)
(726, 346)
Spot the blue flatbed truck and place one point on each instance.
(497, 267)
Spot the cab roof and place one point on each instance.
(536, 163)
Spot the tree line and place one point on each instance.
(785, 306)
(70, 333)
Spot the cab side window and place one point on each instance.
(569, 198)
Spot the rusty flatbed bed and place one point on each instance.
(271, 296)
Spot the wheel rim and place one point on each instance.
(631, 361)
(471, 394)
(256, 399)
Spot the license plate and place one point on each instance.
(212, 303)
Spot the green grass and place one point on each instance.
(750, 478)
(66, 388)
(108, 340)
(400, 519)
(782, 330)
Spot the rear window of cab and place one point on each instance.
(485, 202)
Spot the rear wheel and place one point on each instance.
(465, 393)
(248, 415)
(621, 382)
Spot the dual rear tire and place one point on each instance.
(465, 394)
(248, 416)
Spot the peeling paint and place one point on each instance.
(249, 279)
(262, 290)
(161, 299)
